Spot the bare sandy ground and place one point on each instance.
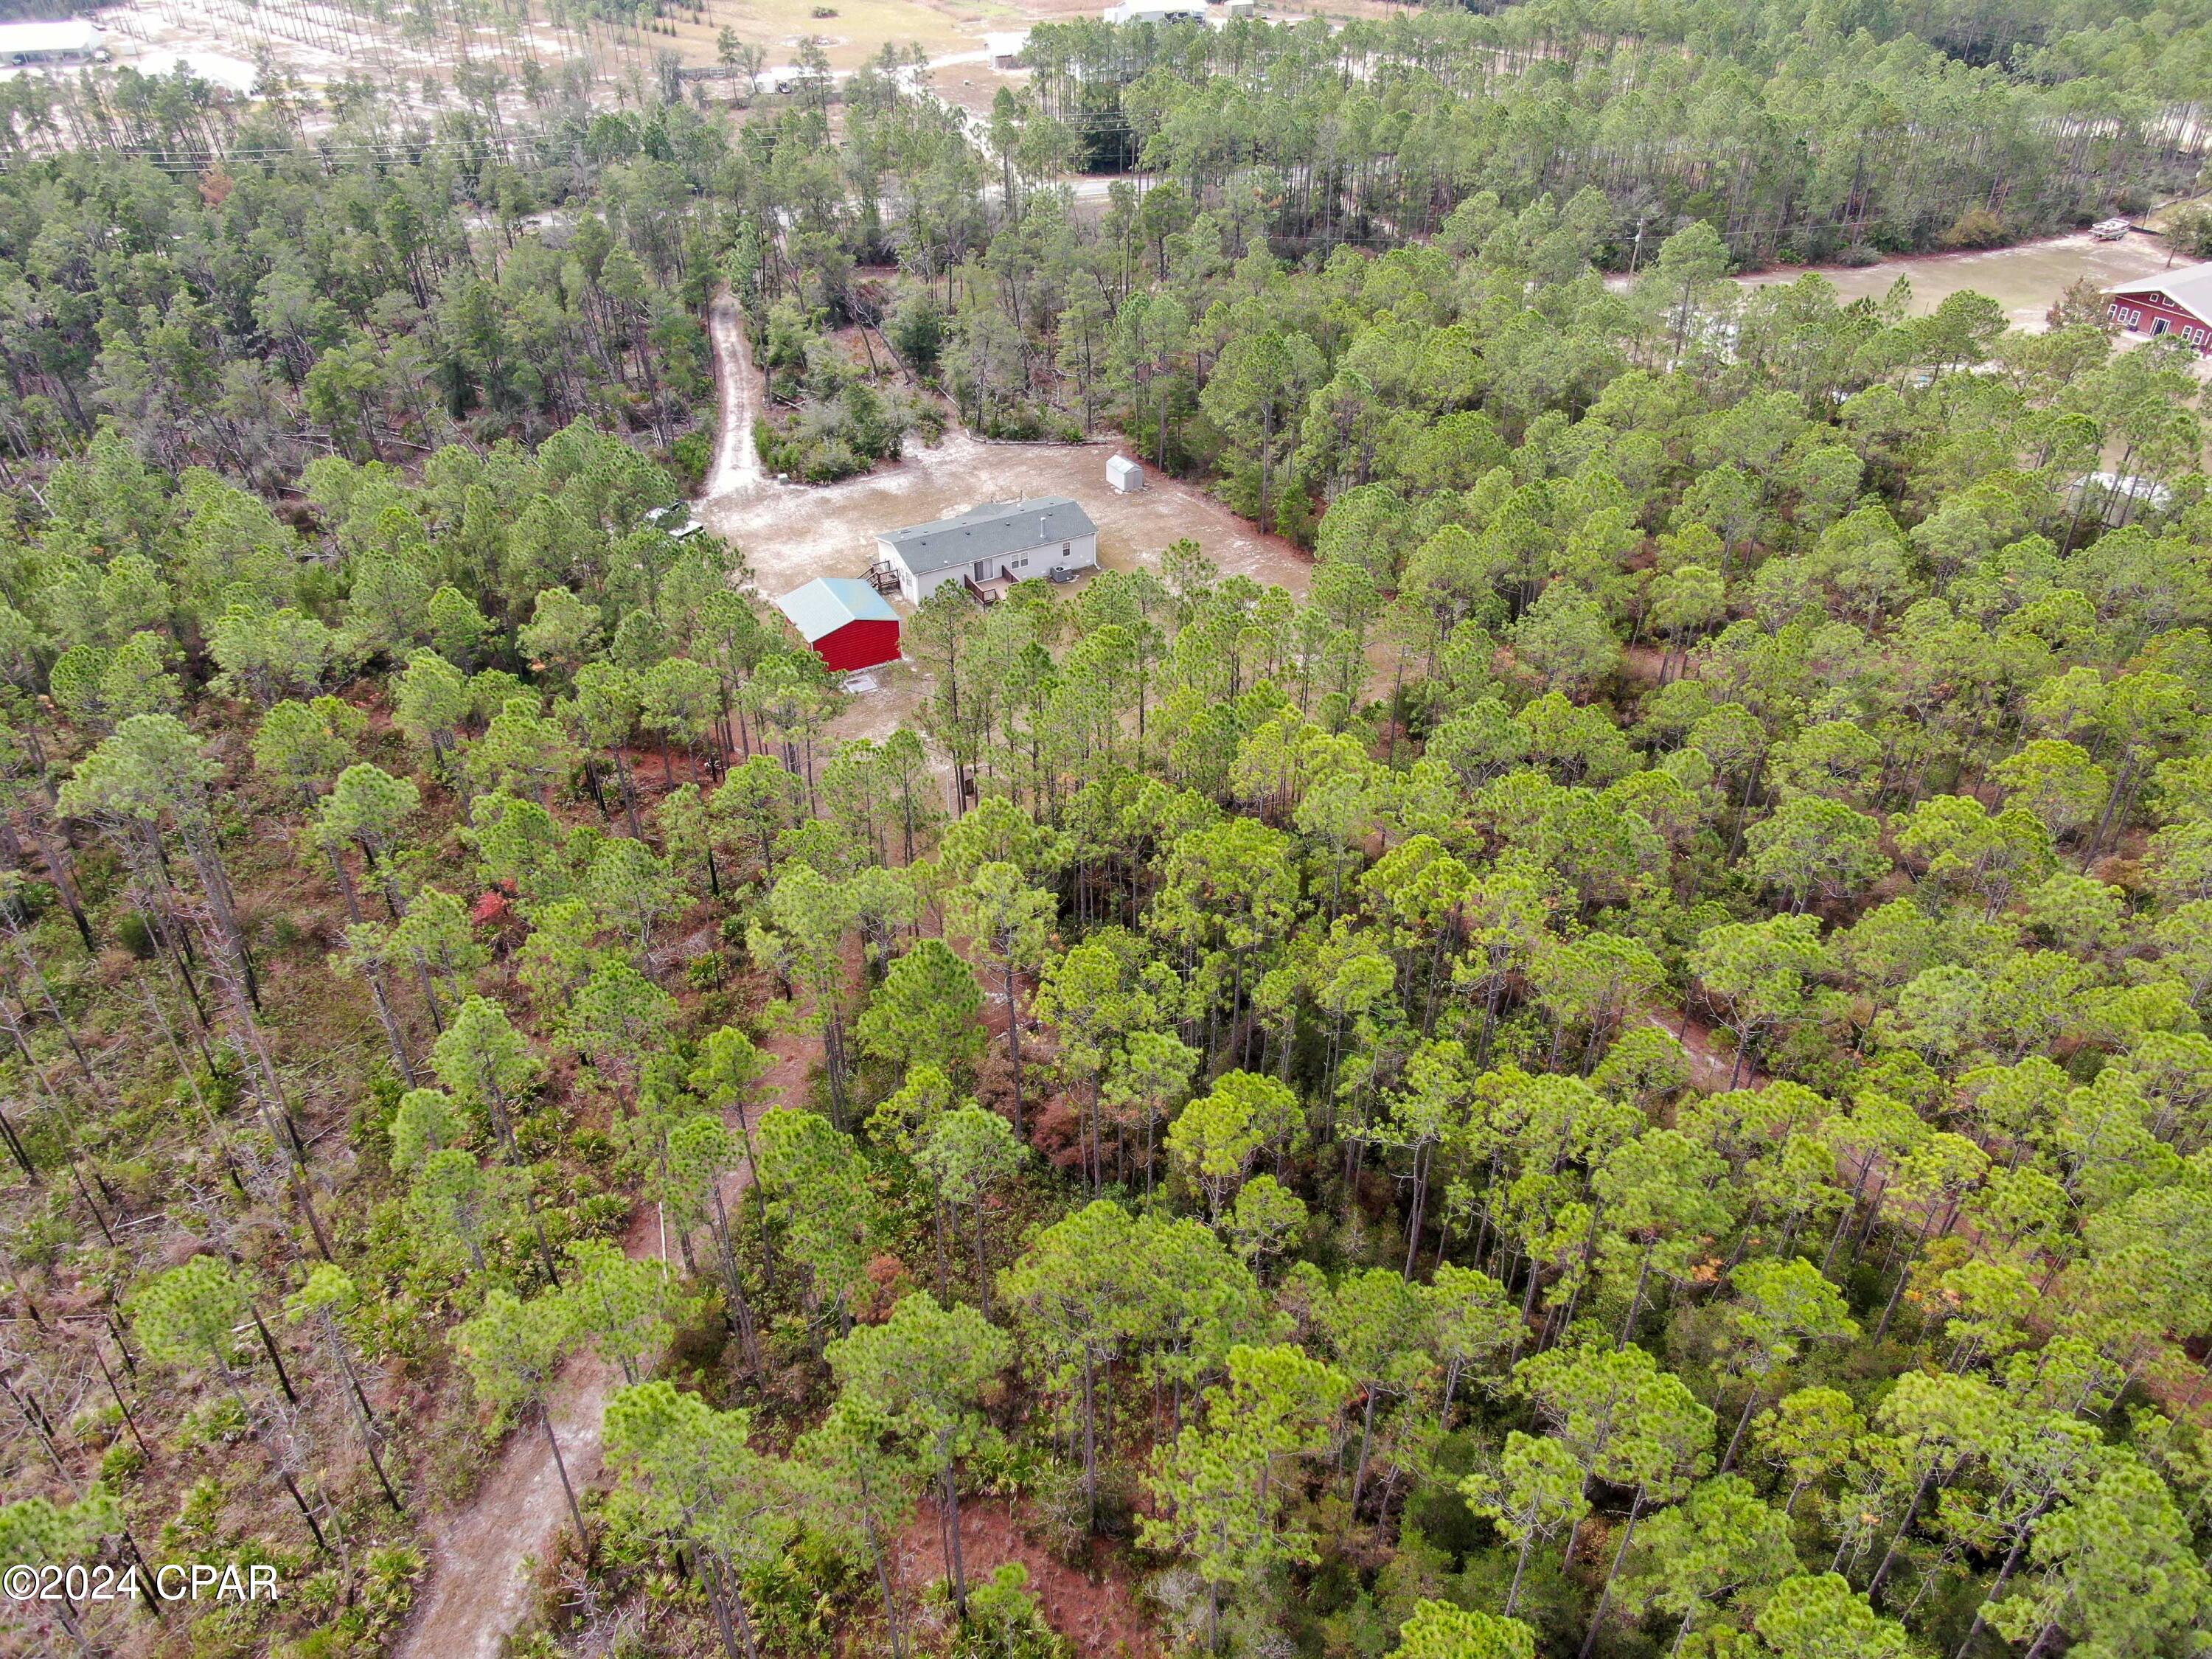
(2024, 280)
(736, 469)
(792, 533)
(482, 1555)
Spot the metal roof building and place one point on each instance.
(50, 42)
(847, 621)
(1156, 11)
(2174, 302)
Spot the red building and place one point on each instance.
(2173, 303)
(848, 623)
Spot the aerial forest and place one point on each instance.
(1620, 1070)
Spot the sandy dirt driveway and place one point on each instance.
(483, 1555)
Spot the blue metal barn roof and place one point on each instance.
(828, 603)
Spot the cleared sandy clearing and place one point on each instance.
(2024, 280)
(792, 533)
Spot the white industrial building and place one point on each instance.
(1014, 540)
(65, 40)
(1156, 11)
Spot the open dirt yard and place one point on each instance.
(859, 29)
(792, 533)
(2024, 280)
(950, 31)
(797, 531)
(321, 42)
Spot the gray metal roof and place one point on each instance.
(2189, 289)
(989, 531)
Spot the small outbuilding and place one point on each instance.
(1126, 475)
(675, 521)
(848, 623)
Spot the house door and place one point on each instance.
(2159, 327)
(983, 570)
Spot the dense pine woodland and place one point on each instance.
(1623, 1075)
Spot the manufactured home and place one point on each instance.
(1010, 541)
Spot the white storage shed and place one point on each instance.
(1126, 475)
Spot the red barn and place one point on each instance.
(2174, 302)
(848, 623)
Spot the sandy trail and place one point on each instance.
(1712, 1067)
(483, 1556)
(736, 463)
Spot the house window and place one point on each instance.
(1065, 547)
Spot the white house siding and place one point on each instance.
(1077, 553)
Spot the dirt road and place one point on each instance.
(1711, 1068)
(736, 463)
(483, 1555)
